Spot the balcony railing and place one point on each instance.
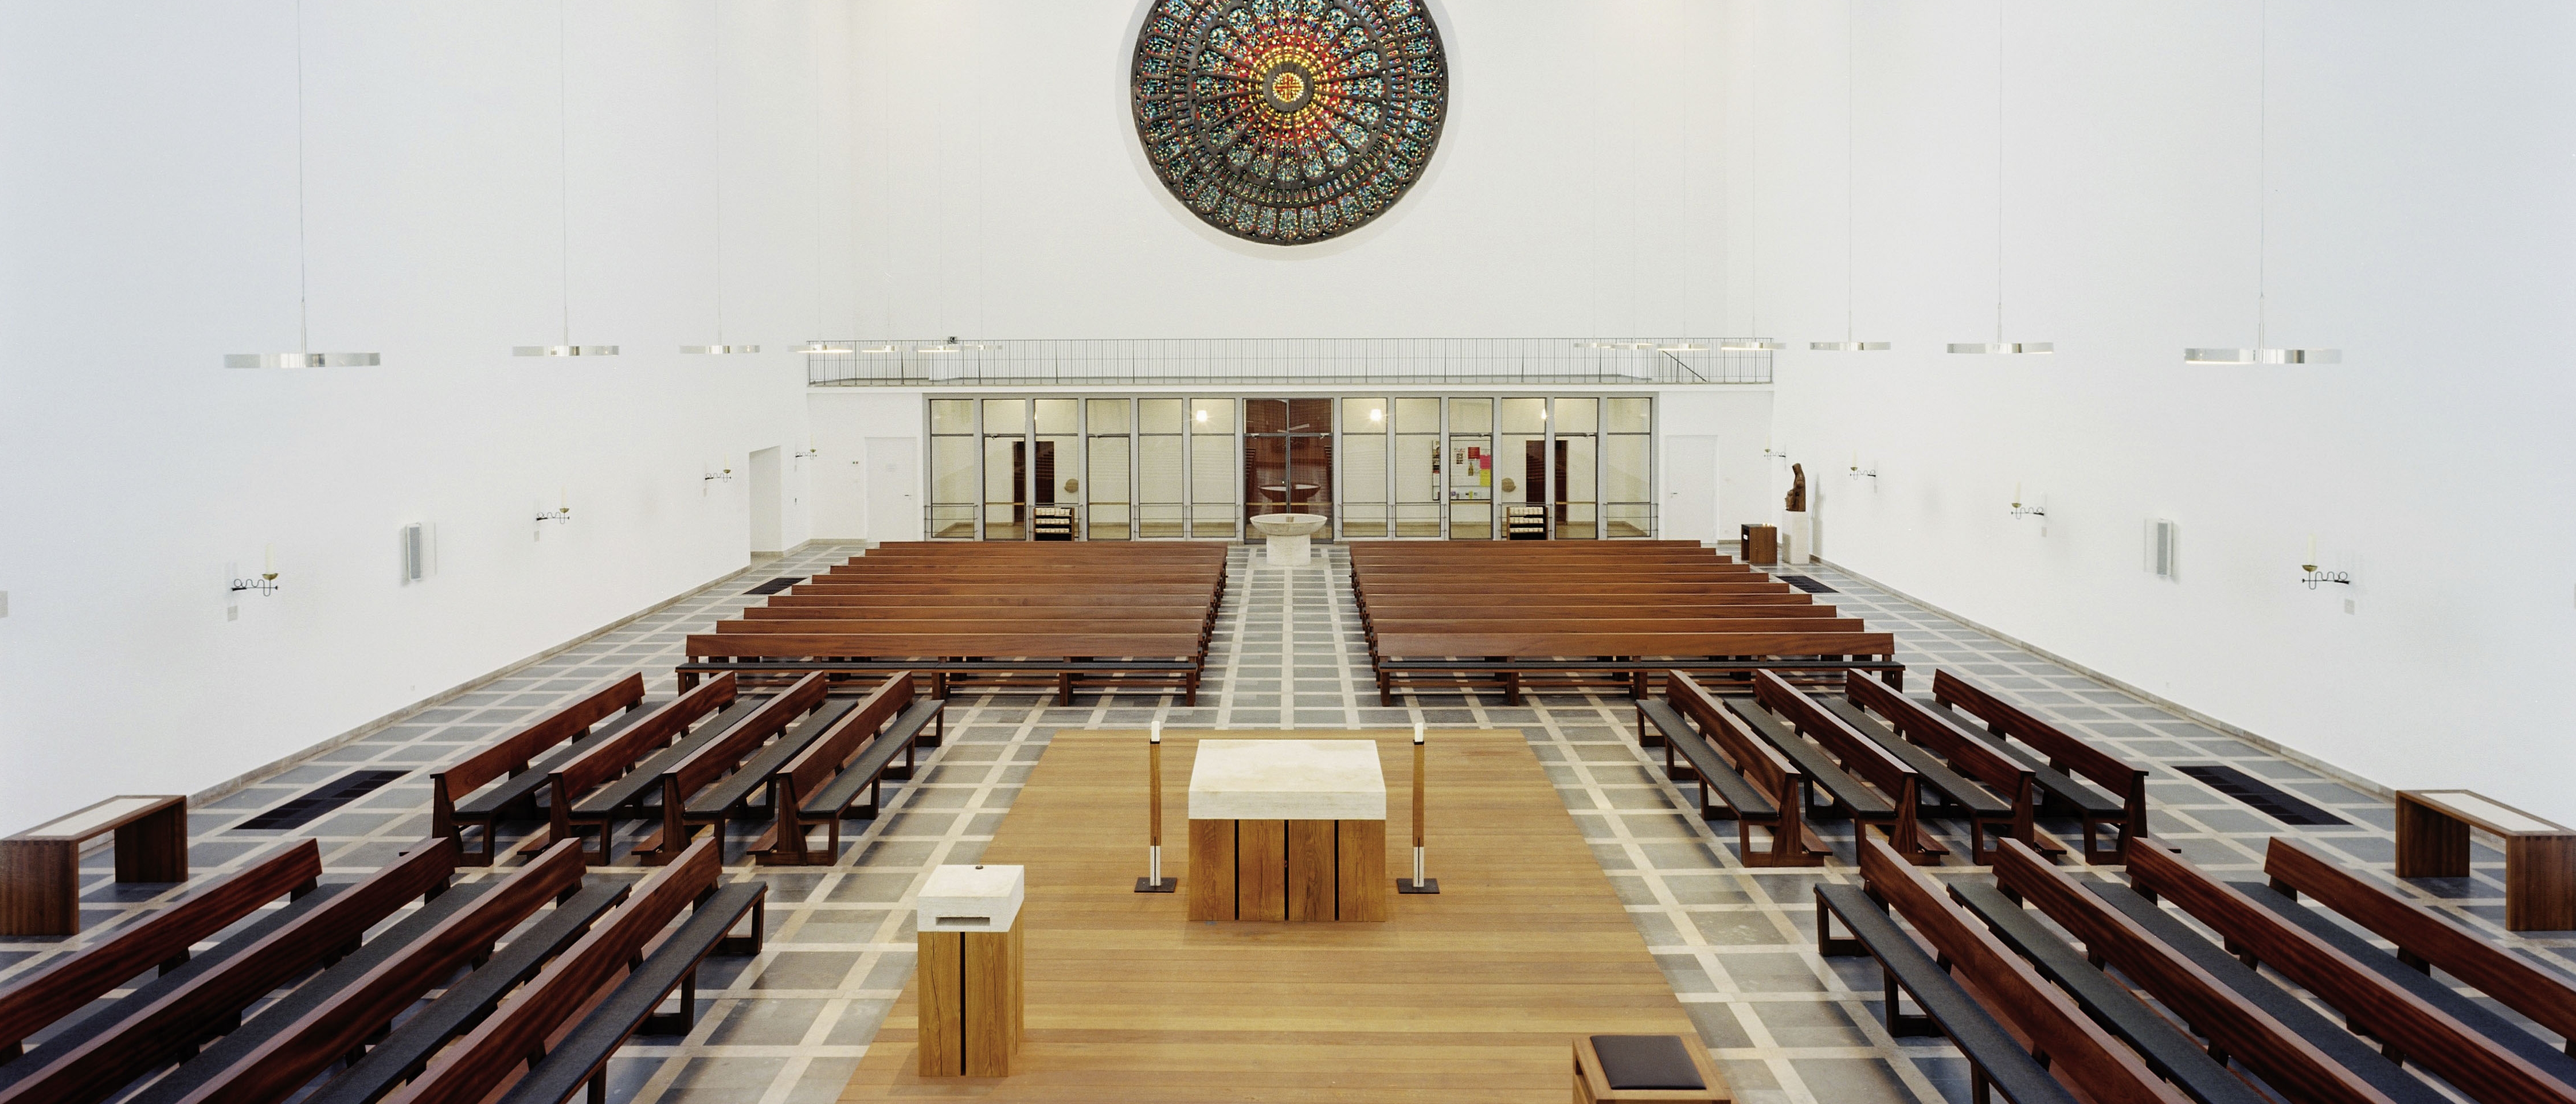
(1096, 362)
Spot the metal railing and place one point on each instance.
(1090, 362)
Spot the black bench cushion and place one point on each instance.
(843, 789)
(2340, 1046)
(1811, 760)
(2477, 1017)
(1934, 773)
(501, 794)
(736, 788)
(2075, 791)
(1970, 1027)
(646, 777)
(1704, 760)
(2172, 1054)
(400, 938)
(914, 718)
(464, 1003)
(90, 1026)
(1646, 1062)
(612, 1021)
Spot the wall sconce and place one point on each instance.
(1857, 473)
(720, 475)
(265, 582)
(562, 511)
(2315, 578)
(2020, 511)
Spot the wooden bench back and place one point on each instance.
(1547, 603)
(613, 756)
(2548, 997)
(70, 982)
(1857, 753)
(469, 1069)
(1574, 589)
(717, 757)
(1919, 725)
(1759, 762)
(922, 645)
(511, 753)
(2079, 1052)
(1632, 623)
(2476, 1064)
(1541, 644)
(2062, 750)
(942, 589)
(907, 611)
(1139, 622)
(807, 773)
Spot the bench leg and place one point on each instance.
(1826, 945)
(1899, 1024)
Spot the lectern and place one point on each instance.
(1287, 830)
(971, 997)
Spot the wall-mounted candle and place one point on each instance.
(1855, 460)
(268, 563)
(2016, 492)
(2311, 562)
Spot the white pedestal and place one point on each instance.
(1288, 537)
(1797, 536)
(972, 898)
(1287, 780)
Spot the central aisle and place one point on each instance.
(1471, 995)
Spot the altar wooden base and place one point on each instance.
(971, 1007)
(1287, 870)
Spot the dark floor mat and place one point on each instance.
(330, 795)
(2266, 798)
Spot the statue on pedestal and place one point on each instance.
(1796, 503)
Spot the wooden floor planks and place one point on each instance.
(1471, 995)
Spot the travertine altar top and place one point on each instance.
(1287, 780)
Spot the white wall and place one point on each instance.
(147, 228)
(2420, 221)
(1576, 190)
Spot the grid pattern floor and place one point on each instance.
(1736, 943)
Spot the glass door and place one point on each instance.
(1470, 469)
(1288, 457)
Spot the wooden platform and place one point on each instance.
(1471, 995)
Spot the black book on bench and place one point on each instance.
(1646, 1062)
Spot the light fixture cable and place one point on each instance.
(2261, 353)
(1851, 187)
(303, 356)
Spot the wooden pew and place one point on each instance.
(1924, 728)
(163, 1020)
(1861, 758)
(1762, 789)
(458, 796)
(2059, 752)
(820, 786)
(2426, 1029)
(67, 984)
(1175, 659)
(1986, 978)
(328, 1016)
(592, 790)
(2299, 1053)
(492, 1057)
(728, 769)
(1512, 656)
(2425, 938)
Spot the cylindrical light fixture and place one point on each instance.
(1848, 344)
(2002, 347)
(1999, 345)
(302, 357)
(301, 360)
(2262, 356)
(720, 349)
(2262, 227)
(563, 205)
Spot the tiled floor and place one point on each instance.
(1737, 943)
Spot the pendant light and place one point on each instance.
(1754, 344)
(1999, 345)
(563, 202)
(2263, 225)
(303, 356)
(1848, 344)
(814, 81)
(719, 348)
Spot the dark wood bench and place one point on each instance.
(328, 1016)
(1897, 781)
(1911, 722)
(161, 939)
(821, 786)
(2426, 939)
(592, 791)
(1053, 661)
(403, 1052)
(710, 785)
(483, 1063)
(2019, 1009)
(2173, 1055)
(40, 867)
(2283, 1040)
(501, 782)
(1513, 659)
(1846, 797)
(165, 1018)
(2426, 1024)
(2126, 803)
(1760, 787)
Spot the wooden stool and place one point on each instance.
(1659, 1069)
(972, 998)
(40, 867)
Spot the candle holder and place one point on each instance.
(720, 475)
(2315, 578)
(2021, 511)
(265, 583)
(559, 513)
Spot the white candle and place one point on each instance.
(2016, 492)
(269, 564)
(2311, 562)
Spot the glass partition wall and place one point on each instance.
(1418, 467)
